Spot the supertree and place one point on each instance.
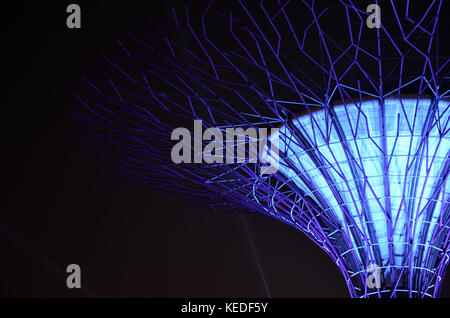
(360, 106)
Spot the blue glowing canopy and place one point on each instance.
(376, 173)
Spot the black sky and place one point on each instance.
(62, 206)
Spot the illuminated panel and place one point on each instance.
(377, 172)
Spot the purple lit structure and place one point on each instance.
(363, 118)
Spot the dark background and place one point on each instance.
(62, 206)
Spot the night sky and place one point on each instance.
(63, 206)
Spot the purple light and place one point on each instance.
(363, 116)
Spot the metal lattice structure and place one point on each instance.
(363, 118)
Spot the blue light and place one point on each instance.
(378, 172)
